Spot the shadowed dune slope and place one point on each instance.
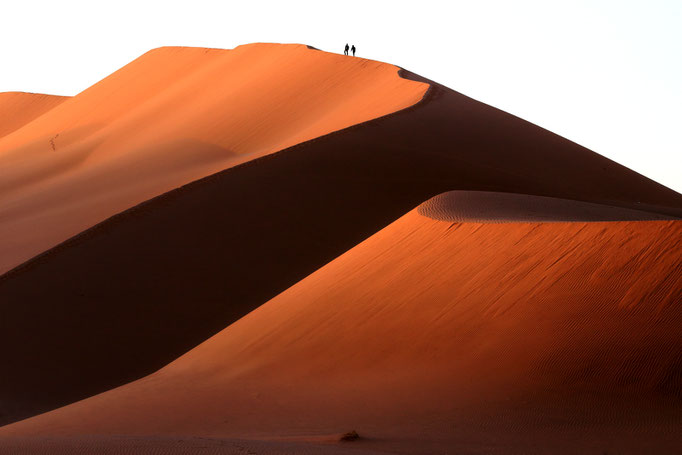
(434, 337)
(19, 108)
(125, 298)
(172, 116)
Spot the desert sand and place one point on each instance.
(175, 445)
(113, 300)
(172, 116)
(19, 108)
(251, 196)
(439, 337)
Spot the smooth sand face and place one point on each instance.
(19, 108)
(170, 117)
(435, 336)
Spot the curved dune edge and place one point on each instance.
(527, 338)
(170, 117)
(19, 108)
(113, 301)
(495, 207)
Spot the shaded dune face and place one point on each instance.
(123, 299)
(19, 108)
(172, 116)
(430, 335)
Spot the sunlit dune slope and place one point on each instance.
(19, 108)
(113, 301)
(170, 117)
(558, 337)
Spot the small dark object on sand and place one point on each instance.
(350, 436)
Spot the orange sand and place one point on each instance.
(19, 108)
(170, 117)
(439, 337)
(113, 300)
(432, 336)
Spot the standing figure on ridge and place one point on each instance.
(345, 50)
(353, 49)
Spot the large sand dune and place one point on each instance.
(123, 299)
(440, 337)
(170, 117)
(19, 108)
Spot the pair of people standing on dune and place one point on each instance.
(345, 50)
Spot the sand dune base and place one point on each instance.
(177, 445)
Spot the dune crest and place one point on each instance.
(19, 108)
(494, 207)
(113, 300)
(432, 336)
(172, 116)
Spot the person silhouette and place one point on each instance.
(345, 50)
(353, 49)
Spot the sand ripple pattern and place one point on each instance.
(493, 207)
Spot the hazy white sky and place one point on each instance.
(605, 74)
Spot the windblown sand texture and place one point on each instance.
(536, 309)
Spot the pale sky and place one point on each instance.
(605, 74)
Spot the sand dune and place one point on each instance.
(435, 337)
(123, 299)
(170, 117)
(19, 108)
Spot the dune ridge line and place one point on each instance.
(113, 301)
(170, 117)
(495, 207)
